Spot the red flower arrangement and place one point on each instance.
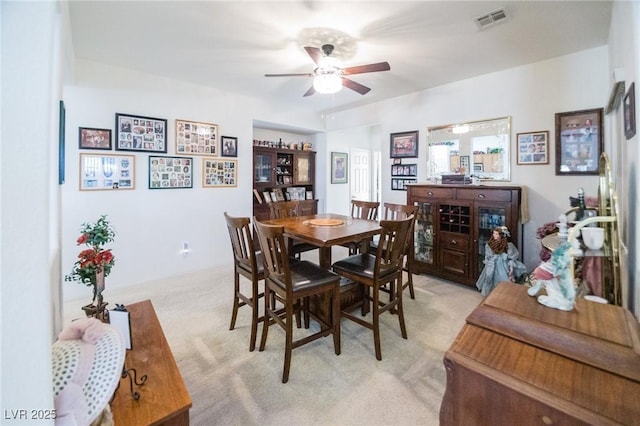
(95, 258)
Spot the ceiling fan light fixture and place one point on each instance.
(329, 62)
(327, 83)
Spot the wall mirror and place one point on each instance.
(478, 148)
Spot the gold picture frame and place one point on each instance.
(104, 172)
(533, 147)
(197, 138)
(220, 173)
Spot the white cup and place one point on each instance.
(593, 238)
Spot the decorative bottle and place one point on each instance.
(581, 205)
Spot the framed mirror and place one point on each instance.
(476, 148)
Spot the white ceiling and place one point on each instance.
(231, 44)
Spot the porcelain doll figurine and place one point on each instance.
(553, 276)
(500, 261)
(562, 226)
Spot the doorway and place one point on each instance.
(365, 175)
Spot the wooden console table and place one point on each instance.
(164, 399)
(517, 362)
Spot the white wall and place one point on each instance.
(152, 225)
(530, 94)
(363, 137)
(29, 205)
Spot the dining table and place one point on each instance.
(326, 230)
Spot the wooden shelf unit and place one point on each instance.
(282, 168)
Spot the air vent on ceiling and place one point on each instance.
(490, 19)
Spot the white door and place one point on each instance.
(361, 174)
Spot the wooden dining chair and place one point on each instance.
(394, 211)
(367, 210)
(293, 285)
(247, 262)
(282, 209)
(375, 271)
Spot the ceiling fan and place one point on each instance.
(329, 73)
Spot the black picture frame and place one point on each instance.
(629, 106)
(92, 138)
(141, 134)
(170, 172)
(401, 184)
(62, 114)
(579, 141)
(404, 144)
(404, 170)
(228, 146)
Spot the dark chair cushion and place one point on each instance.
(259, 264)
(306, 274)
(361, 264)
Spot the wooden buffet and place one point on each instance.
(517, 362)
(453, 224)
(164, 399)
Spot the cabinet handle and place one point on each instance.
(429, 193)
(481, 195)
(454, 242)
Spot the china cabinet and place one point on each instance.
(453, 224)
(281, 169)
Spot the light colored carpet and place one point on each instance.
(231, 386)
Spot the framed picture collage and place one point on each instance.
(105, 170)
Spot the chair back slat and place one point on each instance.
(364, 209)
(282, 209)
(241, 240)
(394, 211)
(401, 211)
(274, 250)
(392, 245)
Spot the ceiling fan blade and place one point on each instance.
(315, 53)
(380, 66)
(355, 86)
(310, 92)
(307, 74)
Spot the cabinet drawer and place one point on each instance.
(453, 241)
(483, 194)
(430, 192)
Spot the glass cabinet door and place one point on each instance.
(263, 168)
(488, 217)
(424, 232)
(303, 170)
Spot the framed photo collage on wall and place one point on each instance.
(134, 133)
